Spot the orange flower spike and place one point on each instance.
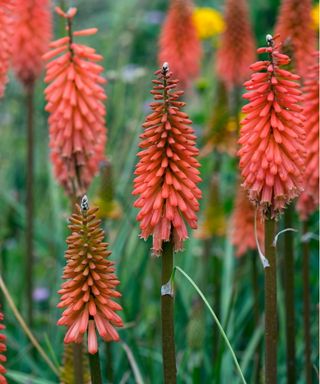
(90, 287)
(167, 173)
(309, 200)
(272, 153)
(31, 38)
(3, 348)
(75, 100)
(295, 27)
(237, 47)
(6, 34)
(179, 43)
(243, 236)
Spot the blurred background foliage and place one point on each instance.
(127, 38)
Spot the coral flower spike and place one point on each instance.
(75, 100)
(179, 42)
(31, 38)
(167, 173)
(295, 27)
(237, 47)
(91, 283)
(6, 33)
(309, 200)
(272, 136)
(3, 348)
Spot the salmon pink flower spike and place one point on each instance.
(295, 27)
(167, 173)
(90, 285)
(243, 231)
(272, 136)
(179, 42)
(3, 348)
(75, 100)
(237, 46)
(309, 200)
(6, 34)
(31, 38)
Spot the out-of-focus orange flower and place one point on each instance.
(167, 173)
(3, 348)
(242, 230)
(309, 200)
(237, 47)
(32, 33)
(179, 43)
(272, 136)
(294, 25)
(75, 100)
(6, 33)
(88, 293)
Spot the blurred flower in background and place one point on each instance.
(208, 22)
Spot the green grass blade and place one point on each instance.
(215, 319)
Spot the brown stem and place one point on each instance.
(306, 307)
(167, 319)
(29, 201)
(78, 363)
(271, 318)
(95, 370)
(289, 298)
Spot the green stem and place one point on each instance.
(29, 201)
(215, 319)
(95, 370)
(256, 312)
(271, 318)
(109, 367)
(289, 298)
(306, 307)
(167, 317)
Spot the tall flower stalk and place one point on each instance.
(272, 159)
(308, 202)
(166, 181)
(75, 100)
(90, 287)
(32, 32)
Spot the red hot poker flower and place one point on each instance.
(31, 38)
(3, 348)
(6, 33)
(167, 173)
(294, 25)
(272, 135)
(243, 236)
(179, 43)
(237, 47)
(75, 99)
(309, 200)
(91, 283)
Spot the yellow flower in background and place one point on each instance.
(315, 16)
(208, 22)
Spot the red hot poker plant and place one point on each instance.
(6, 34)
(31, 38)
(3, 348)
(309, 200)
(179, 43)
(90, 287)
(167, 173)
(75, 100)
(272, 136)
(237, 47)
